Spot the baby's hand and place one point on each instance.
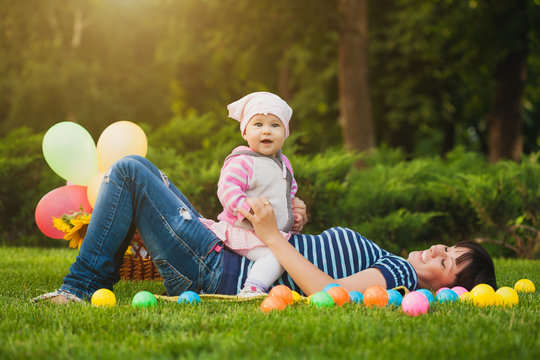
(299, 214)
(297, 225)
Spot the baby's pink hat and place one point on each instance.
(260, 103)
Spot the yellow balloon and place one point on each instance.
(93, 188)
(118, 140)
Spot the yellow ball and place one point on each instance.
(103, 297)
(296, 297)
(524, 285)
(483, 295)
(309, 298)
(506, 296)
(466, 297)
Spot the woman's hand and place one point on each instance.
(263, 218)
(306, 275)
(300, 214)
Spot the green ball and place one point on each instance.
(322, 299)
(144, 299)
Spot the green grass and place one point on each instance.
(220, 329)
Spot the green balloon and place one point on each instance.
(321, 299)
(71, 152)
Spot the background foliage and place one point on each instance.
(401, 204)
(172, 66)
(432, 64)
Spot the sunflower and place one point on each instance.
(77, 232)
(74, 227)
(61, 224)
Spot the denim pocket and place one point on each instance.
(174, 281)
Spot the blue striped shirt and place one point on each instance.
(338, 252)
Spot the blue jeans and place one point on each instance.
(135, 194)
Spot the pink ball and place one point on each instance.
(415, 303)
(444, 287)
(459, 290)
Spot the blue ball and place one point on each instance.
(394, 297)
(329, 286)
(447, 295)
(428, 295)
(189, 297)
(356, 297)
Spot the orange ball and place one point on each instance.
(375, 296)
(273, 303)
(340, 295)
(283, 292)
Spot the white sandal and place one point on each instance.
(54, 294)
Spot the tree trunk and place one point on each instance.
(505, 133)
(284, 81)
(79, 25)
(355, 118)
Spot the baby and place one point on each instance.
(260, 170)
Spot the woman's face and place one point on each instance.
(436, 267)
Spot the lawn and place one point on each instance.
(221, 329)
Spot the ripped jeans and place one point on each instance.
(134, 194)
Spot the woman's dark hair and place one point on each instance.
(478, 269)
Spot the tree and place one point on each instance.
(452, 73)
(355, 106)
(505, 115)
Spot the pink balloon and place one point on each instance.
(60, 201)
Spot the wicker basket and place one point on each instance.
(139, 265)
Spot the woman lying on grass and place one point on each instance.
(136, 195)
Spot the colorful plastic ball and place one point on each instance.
(415, 303)
(483, 295)
(271, 303)
(296, 297)
(443, 288)
(394, 297)
(466, 297)
(189, 297)
(143, 299)
(447, 295)
(329, 286)
(103, 297)
(459, 290)
(525, 286)
(356, 297)
(339, 295)
(322, 299)
(375, 296)
(283, 292)
(506, 296)
(428, 294)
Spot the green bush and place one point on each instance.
(431, 200)
(399, 203)
(24, 179)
